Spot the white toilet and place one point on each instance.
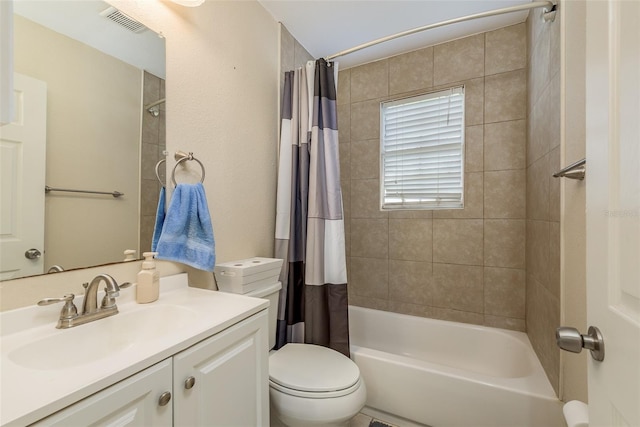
(309, 385)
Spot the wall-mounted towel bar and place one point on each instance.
(116, 194)
(575, 170)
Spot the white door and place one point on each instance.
(613, 208)
(223, 381)
(22, 173)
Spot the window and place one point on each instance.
(421, 151)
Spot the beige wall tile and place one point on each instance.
(300, 55)
(505, 194)
(411, 71)
(365, 199)
(367, 302)
(474, 149)
(538, 180)
(504, 292)
(365, 120)
(554, 259)
(343, 97)
(505, 145)
(537, 243)
(505, 96)
(410, 309)
(344, 123)
(458, 241)
(365, 157)
(457, 316)
(474, 102)
(554, 185)
(505, 323)
(149, 196)
(369, 278)
(344, 150)
(506, 49)
(458, 287)
(504, 243)
(473, 199)
(404, 214)
(370, 238)
(459, 60)
(410, 239)
(370, 81)
(411, 282)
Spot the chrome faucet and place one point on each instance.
(69, 316)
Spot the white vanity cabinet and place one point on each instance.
(220, 381)
(131, 402)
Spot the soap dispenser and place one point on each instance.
(148, 287)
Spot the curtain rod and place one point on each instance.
(549, 14)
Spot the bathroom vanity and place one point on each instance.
(194, 357)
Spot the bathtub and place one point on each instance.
(440, 373)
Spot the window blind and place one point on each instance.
(422, 151)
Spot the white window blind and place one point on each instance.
(422, 151)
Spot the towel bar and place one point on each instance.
(184, 157)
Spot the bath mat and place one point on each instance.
(375, 423)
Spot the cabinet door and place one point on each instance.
(231, 377)
(131, 402)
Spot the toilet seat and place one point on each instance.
(312, 371)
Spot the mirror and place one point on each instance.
(102, 74)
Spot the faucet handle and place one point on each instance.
(69, 309)
(109, 299)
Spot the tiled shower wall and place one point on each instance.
(463, 265)
(543, 192)
(153, 144)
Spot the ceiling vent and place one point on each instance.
(123, 20)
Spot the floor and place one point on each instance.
(362, 420)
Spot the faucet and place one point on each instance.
(55, 269)
(90, 302)
(69, 316)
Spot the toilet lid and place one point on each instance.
(308, 367)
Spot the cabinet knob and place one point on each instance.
(164, 398)
(189, 383)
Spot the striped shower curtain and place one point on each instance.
(309, 220)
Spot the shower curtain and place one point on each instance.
(309, 215)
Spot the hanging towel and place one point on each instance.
(187, 234)
(160, 214)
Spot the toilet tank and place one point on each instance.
(270, 292)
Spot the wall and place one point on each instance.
(463, 265)
(86, 151)
(153, 144)
(222, 74)
(573, 298)
(543, 191)
(221, 87)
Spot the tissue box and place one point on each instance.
(247, 275)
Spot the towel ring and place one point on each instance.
(187, 157)
(158, 171)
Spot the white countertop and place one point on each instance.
(31, 393)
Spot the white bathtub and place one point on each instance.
(443, 373)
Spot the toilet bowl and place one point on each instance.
(309, 385)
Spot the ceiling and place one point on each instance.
(325, 27)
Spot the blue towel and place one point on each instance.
(187, 235)
(160, 214)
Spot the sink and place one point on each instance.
(102, 338)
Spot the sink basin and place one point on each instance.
(102, 338)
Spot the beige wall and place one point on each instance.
(221, 87)
(573, 304)
(543, 192)
(93, 143)
(464, 265)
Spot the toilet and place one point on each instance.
(309, 385)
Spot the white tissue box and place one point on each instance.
(247, 275)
